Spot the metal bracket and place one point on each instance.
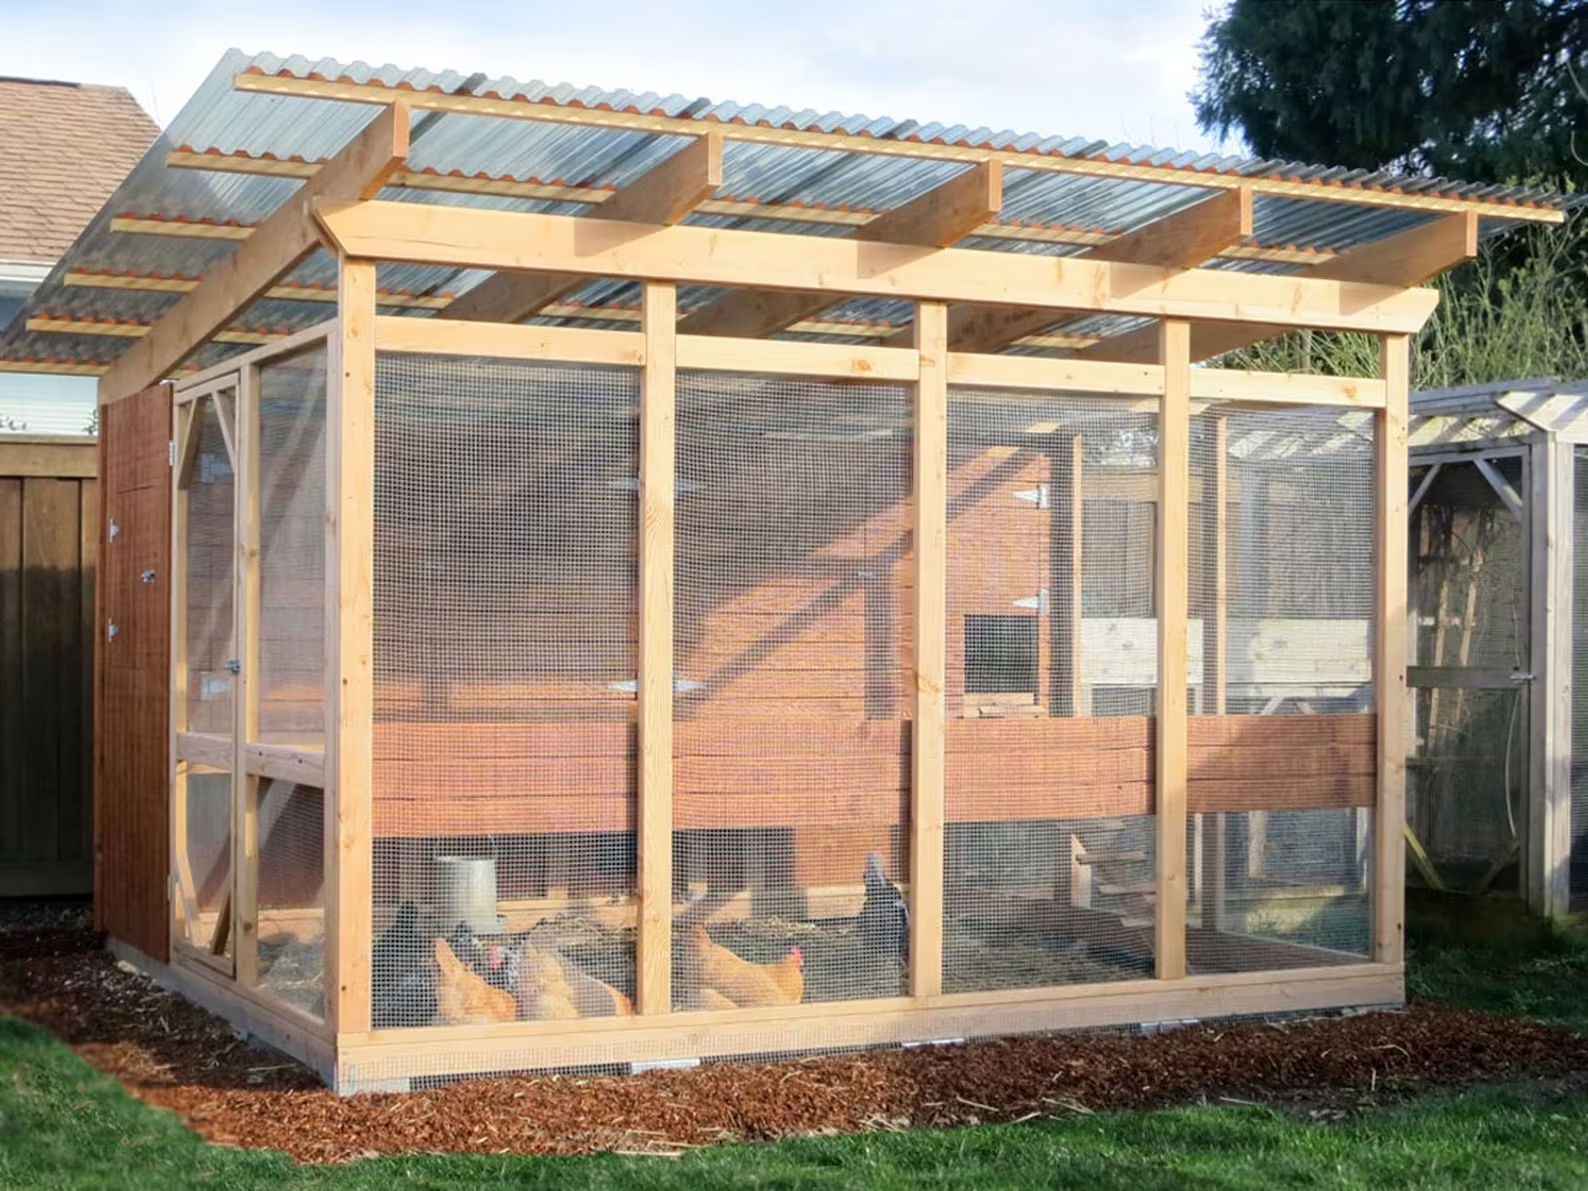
(1038, 496)
(147, 577)
(111, 629)
(114, 531)
(170, 455)
(234, 666)
(1038, 601)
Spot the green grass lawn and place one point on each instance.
(63, 1125)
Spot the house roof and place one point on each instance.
(260, 124)
(67, 146)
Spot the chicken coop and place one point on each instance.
(1497, 797)
(596, 579)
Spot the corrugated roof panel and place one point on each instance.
(223, 119)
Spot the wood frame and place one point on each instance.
(1171, 588)
(909, 265)
(497, 240)
(1389, 688)
(1551, 507)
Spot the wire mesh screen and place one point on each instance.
(1052, 672)
(792, 646)
(291, 888)
(1466, 775)
(505, 578)
(207, 858)
(1282, 756)
(207, 563)
(289, 676)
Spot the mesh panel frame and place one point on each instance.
(1050, 857)
(793, 614)
(1297, 669)
(505, 658)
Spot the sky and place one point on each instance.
(1116, 71)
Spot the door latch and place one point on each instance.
(234, 667)
(147, 576)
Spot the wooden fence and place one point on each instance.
(49, 538)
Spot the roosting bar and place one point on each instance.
(544, 694)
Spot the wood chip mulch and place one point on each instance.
(175, 1056)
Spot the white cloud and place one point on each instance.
(1117, 72)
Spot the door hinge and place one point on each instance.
(170, 887)
(170, 454)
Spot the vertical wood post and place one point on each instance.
(1171, 583)
(1215, 651)
(931, 611)
(178, 920)
(245, 602)
(349, 632)
(658, 485)
(1550, 510)
(1389, 663)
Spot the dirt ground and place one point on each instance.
(54, 972)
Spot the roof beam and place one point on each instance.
(942, 216)
(525, 108)
(661, 196)
(1404, 260)
(469, 238)
(1182, 240)
(276, 246)
(507, 186)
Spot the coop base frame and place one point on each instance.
(390, 1060)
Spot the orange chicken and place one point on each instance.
(708, 998)
(711, 966)
(552, 989)
(463, 998)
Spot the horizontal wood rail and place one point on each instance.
(711, 353)
(306, 766)
(470, 238)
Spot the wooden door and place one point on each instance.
(132, 634)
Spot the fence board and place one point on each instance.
(46, 575)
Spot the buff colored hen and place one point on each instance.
(549, 988)
(713, 969)
(463, 997)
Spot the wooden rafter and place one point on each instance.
(277, 245)
(661, 196)
(1407, 259)
(524, 108)
(1185, 239)
(156, 283)
(465, 238)
(739, 208)
(942, 216)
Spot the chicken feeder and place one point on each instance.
(467, 887)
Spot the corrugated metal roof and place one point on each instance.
(811, 190)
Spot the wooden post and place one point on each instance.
(349, 633)
(1215, 650)
(1389, 663)
(1172, 605)
(245, 578)
(1066, 518)
(658, 459)
(178, 920)
(1548, 839)
(931, 610)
